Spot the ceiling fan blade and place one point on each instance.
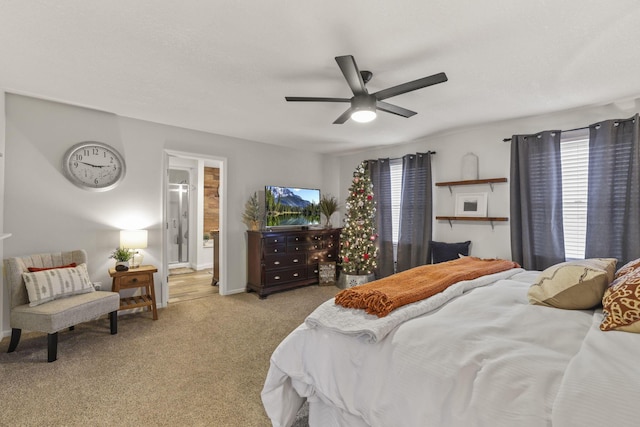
(409, 86)
(394, 109)
(343, 117)
(350, 70)
(314, 99)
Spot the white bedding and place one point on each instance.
(372, 328)
(487, 358)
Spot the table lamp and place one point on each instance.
(134, 240)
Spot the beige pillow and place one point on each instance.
(574, 285)
(47, 285)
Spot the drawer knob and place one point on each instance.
(275, 240)
(295, 260)
(134, 280)
(275, 250)
(295, 274)
(329, 256)
(277, 277)
(276, 263)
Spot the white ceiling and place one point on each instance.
(225, 66)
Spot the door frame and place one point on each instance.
(209, 161)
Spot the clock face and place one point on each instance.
(94, 166)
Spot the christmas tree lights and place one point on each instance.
(358, 236)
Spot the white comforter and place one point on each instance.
(487, 358)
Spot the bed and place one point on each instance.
(479, 353)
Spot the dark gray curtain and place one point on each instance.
(613, 206)
(537, 233)
(381, 181)
(415, 211)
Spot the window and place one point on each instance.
(395, 166)
(574, 154)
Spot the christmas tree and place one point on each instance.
(358, 236)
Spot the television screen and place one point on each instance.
(289, 206)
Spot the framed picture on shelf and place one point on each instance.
(471, 204)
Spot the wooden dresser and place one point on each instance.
(281, 260)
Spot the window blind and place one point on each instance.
(574, 152)
(395, 166)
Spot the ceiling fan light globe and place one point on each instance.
(363, 116)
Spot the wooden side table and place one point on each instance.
(140, 277)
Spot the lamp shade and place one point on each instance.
(133, 239)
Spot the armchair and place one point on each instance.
(55, 314)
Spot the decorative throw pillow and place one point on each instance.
(34, 269)
(573, 285)
(441, 252)
(47, 285)
(627, 268)
(621, 304)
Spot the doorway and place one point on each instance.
(194, 238)
(178, 212)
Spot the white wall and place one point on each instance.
(45, 212)
(4, 313)
(494, 162)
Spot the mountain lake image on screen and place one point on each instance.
(291, 206)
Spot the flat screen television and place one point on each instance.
(291, 206)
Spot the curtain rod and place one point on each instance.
(400, 158)
(568, 130)
(582, 128)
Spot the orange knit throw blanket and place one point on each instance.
(385, 295)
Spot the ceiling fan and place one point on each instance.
(363, 104)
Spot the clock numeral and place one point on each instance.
(95, 151)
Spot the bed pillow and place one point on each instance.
(442, 252)
(621, 304)
(573, 285)
(628, 268)
(47, 285)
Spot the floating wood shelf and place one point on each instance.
(489, 181)
(490, 219)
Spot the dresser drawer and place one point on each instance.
(298, 239)
(276, 277)
(313, 271)
(275, 248)
(274, 240)
(285, 260)
(316, 256)
(303, 246)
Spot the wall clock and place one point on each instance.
(94, 166)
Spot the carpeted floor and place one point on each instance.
(202, 363)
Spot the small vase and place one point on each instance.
(327, 223)
(122, 265)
